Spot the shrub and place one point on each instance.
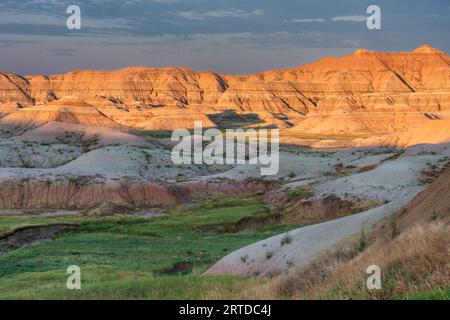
(434, 216)
(286, 239)
(394, 227)
(362, 242)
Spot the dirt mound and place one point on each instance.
(427, 132)
(285, 252)
(69, 110)
(63, 132)
(431, 204)
(413, 260)
(80, 192)
(66, 116)
(431, 132)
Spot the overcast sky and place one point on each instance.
(230, 36)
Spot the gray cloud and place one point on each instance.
(308, 20)
(211, 14)
(350, 19)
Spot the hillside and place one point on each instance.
(365, 92)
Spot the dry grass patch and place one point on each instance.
(417, 260)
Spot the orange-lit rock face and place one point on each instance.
(365, 92)
(67, 110)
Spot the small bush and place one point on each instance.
(286, 239)
(290, 264)
(434, 216)
(394, 227)
(362, 242)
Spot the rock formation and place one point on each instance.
(60, 118)
(362, 93)
(80, 192)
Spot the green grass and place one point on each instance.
(159, 134)
(109, 283)
(139, 254)
(343, 137)
(8, 224)
(428, 295)
(300, 194)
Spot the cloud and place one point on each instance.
(63, 51)
(230, 13)
(8, 43)
(31, 19)
(334, 19)
(350, 19)
(308, 20)
(224, 53)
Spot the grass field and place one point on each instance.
(126, 257)
(160, 258)
(429, 295)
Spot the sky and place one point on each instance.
(226, 36)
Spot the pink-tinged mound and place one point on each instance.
(70, 192)
(58, 131)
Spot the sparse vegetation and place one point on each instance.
(411, 263)
(362, 241)
(244, 259)
(125, 248)
(434, 215)
(290, 264)
(394, 226)
(159, 134)
(300, 194)
(287, 239)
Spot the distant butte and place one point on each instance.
(427, 49)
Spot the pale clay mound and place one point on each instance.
(151, 163)
(393, 180)
(17, 153)
(310, 242)
(125, 175)
(305, 245)
(58, 131)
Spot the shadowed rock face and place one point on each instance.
(365, 92)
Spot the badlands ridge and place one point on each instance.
(377, 128)
(364, 93)
(92, 124)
